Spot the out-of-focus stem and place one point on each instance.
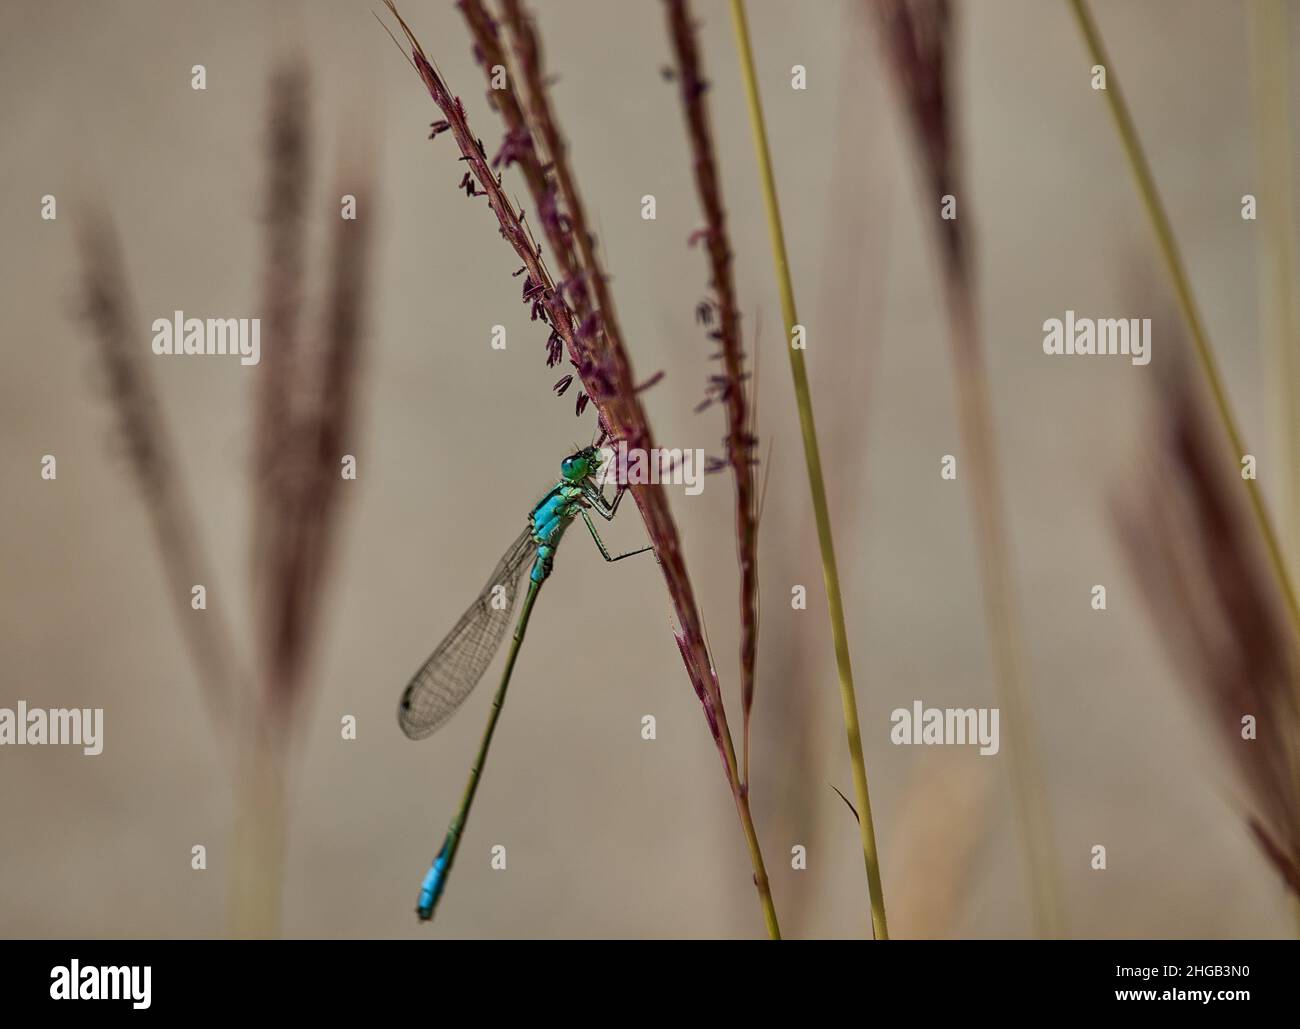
(1270, 80)
(919, 45)
(983, 472)
(152, 451)
(257, 845)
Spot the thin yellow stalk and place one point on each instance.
(812, 456)
(1182, 287)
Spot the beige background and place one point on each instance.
(607, 834)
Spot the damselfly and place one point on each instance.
(455, 667)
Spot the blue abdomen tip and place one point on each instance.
(431, 888)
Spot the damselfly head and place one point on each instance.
(581, 464)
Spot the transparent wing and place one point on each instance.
(455, 667)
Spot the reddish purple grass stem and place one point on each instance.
(729, 388)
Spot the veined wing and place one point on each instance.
(453, 670)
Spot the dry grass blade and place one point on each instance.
(148, 443)
(596, 349)
(731, 386)
(1189, 539)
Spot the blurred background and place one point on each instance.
(608, 834)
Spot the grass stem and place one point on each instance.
(257, 862)
(733, 391)
(812, 457)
